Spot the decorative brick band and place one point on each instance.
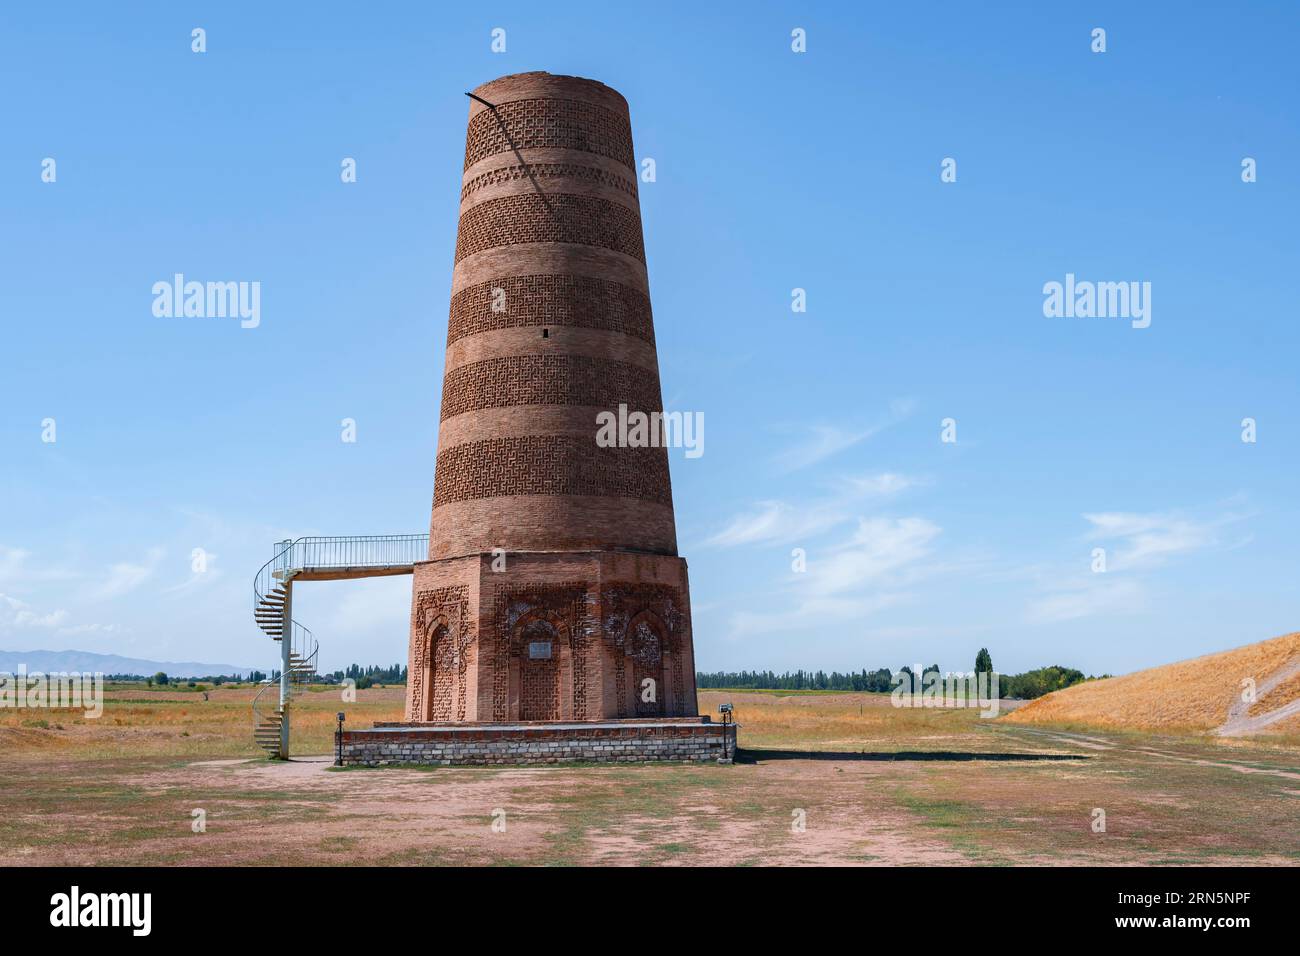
(555, 217)
(549, 465)
(557, 123)
(589, 174)
(555, 300)
(549, 380)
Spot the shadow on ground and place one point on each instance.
(747, 755)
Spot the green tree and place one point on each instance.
(983, 662)
(161, 678)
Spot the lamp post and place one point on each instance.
(338, 740)
(725, 710)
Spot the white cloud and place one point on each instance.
(1135, 543)
(885, 483)
(91, 629)
(773, 522)
(823, 441)
(11, 562)
(868, 572)
(810, 614)
(782, 522)
(1087, 597)
(1147, 540)
(19, 615)
(879, 548)
(209, 575)
(15, 568)
(125, 576)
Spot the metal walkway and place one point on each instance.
(312, 559)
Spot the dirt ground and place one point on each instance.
(821, 779)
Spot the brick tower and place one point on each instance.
(553, 589)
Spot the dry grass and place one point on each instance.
(1284, 692)
(835, 721)
(1187, 697)
(878, 785)
(139, 721)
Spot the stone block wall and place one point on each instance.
(523, 744)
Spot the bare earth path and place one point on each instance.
(1240, 723)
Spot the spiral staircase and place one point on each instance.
(308, 559)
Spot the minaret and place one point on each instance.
(553, 589)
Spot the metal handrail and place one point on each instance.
(261, 707)
(290, 559)
(306, 649)
(339, 551)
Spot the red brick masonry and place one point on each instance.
(626, 741)
(553, 589)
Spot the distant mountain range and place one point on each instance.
(87, 663)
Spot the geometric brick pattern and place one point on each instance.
(442, 635)
(512, 380)
(559, 610)
(630, 605)
(549, 465)
(647, 670)
(535, 171)
(444, 667)
(539, 692)
(555, 217)
(553, 123)
(556, 300)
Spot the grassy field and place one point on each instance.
(870, 784)
(139, 721)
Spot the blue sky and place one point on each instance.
(775, 170)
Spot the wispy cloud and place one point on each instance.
(91, 629)
(1146, 540)
(809, 613)
(868, 572)
(17, 568)
(1135, 544)
(821, 441)
(207, 574)
(790, 522)
(11, 561)
(775, 522)
(18, 615)
(125, 576)
(879, 548)
(1087, 597)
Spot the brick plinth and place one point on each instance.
(577, 635)
(530, 743)
(553, 589)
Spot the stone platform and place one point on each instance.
(503, 744)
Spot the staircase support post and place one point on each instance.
(286, 649)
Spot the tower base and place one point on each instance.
(550, 636)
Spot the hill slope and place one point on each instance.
(1202, 695)
(86, 662)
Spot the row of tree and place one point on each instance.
(1026, 686)
(369, 676)
(880, 681)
